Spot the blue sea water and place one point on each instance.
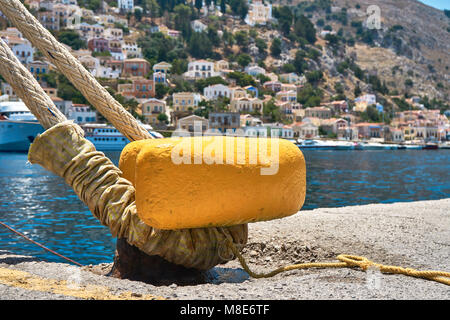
(40, 205)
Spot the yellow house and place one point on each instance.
(51, 92)
(246, 105)
(183, 101)
(193, 122)
(237, 93)
(318, 112)
(221, 65)
(151, 109)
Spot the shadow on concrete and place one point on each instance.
(12, 259)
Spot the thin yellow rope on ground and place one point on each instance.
(347, 261)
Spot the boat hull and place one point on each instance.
(16, 136)
(108, 143)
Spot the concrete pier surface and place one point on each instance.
(409, 234)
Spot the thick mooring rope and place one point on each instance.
(56, 53)
(28, 89)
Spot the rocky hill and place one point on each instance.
(408, 51)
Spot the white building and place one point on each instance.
(362, 102)
(21, 47)
(291, 78)
(9, 91)
(106, 72)
(216, 91)
(125, 5)
(113, 34)
(305, 130)
(279, 130)
(131, 50)
(81, 113)
(24, 52)
(255, 70)
(259, 13)
(62, 105)
(200, 69)
(367, 98)
(198, 26)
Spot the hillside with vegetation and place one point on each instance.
(407, 56)
(331, 44)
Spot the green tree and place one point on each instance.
(314, 77)
(203, 83)
(242, 79)
(333, 40)
(409, 83)
(101, 54)
(285, 18)
(272, 111)
(241, 38)
(199, 46)
(213, 36)
(183, 20)
(162, 117)
(93, 5)
(300, 63)
(179, 66)
(138, 14)
(223, 6)
(372, 114)
(304, 28)
(288, 68)
(198, 4)
(310, 96)
(161, 90)
(357, 91)
(131, 105)
(244, 59)
(153, 8)
(72, 39)
(239, 8)
(261, 45)
(275, 48)
(158, 47)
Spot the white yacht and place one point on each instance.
(107, 138)
(18, 126)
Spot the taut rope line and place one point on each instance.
(56, 53)
(28, 89)
(38, 244)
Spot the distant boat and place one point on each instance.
(325, 145)
(107, 138)
(375, 146)
(18, 126)
(409, 147)
(430, 146)
(444, 145)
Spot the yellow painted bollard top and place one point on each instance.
(196, 182)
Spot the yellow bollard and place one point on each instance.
(197, 182)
